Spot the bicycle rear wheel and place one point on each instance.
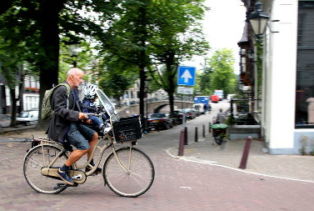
(38, 158)
(130, 174)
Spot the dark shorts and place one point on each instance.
(79, 136)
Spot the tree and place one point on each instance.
(29, 30)
(128, 38)
(204, 81)
(14, 51)
(178, 36)
(223, 76)
(117, 77)
(84, 57)
(36, 27)
(11, 70)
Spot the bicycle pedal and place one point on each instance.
(95, 173)
(59, 185)
(74, 185)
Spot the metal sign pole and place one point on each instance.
(186, 77)
(183, 119)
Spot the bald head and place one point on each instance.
(75, 77)
(74, 71)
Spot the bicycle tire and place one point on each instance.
(218, 139)
(142, 169)
(34, 178)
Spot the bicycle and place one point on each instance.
(219, 132)
(127, 171)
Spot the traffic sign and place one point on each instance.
(185, 90)
(186, 76)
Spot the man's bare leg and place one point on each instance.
(92, 145)
(75, 156)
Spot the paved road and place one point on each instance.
(179, 185)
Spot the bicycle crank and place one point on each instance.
(78, 176)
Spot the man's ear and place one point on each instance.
(70, 78)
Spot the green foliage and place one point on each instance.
(148, 33)
(85, 58)
(117, 77)
(223, 76)
(161, 77)
(17, 41)
(204, 80)
(118, 40)
(177, 36)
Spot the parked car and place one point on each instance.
(177, 117)
(199, 107)
(197, 113)
(28, 117)
(5, 120)
(189, 113)
(159, 121)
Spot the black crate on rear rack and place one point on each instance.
(127, 129)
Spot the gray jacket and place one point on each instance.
(62, 117)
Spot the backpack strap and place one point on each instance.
(67, 86)
(68, 93)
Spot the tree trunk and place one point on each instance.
(171, 101)
(21, 91)
(171, 81)
(49, 42)
(142, 92)
(171, 93)
(142, 59)
(4, 6)
(13, 107)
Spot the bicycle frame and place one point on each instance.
(102, 149)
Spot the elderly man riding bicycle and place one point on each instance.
(65, 124)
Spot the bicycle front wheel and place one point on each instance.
(40, 157)
(130, 174)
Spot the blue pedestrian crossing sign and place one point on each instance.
(186, 75)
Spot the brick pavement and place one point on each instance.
(179, 185)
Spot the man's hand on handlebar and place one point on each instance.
(88, 121)
(83, 116)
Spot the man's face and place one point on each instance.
(77, 79)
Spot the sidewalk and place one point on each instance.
(21, 135)
(294, 167)
(18, 128)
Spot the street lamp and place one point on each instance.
(74, 51)
(258, 19)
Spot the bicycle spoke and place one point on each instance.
(134, 182)
(135, 174)
(35, 162)
(134, 178)
(33, 174)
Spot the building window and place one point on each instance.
(304, 114)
